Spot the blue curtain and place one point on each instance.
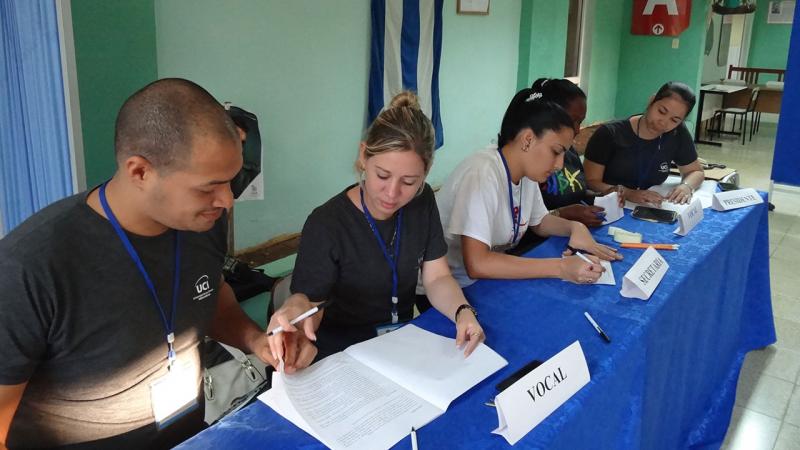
(786, 161)
(34, 144)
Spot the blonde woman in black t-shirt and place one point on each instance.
(362, 249)
(630, 155)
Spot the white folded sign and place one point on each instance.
(645, 275)
(689, 217)
(526, 403)
(726, 201)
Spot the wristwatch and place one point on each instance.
(463, 307)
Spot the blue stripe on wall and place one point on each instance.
(409, 44)
(376, 60)
(437, 53)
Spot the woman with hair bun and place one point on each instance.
(362, 250)
(565, 191)
(493, 196)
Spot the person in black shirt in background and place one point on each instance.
(630, 155)
(362, 250)
(564, 190)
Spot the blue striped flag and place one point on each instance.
(406, 50)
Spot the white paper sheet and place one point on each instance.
(610, 203)
(347, 405)
(431, 365)
(705, 194)
(608, 276)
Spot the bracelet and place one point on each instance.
(463, 307)
(555, 213)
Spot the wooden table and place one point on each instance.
(705, 112)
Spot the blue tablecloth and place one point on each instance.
(667, 380)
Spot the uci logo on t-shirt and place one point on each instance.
(203, 288)
(664, 167)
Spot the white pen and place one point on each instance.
(413, 438)
(597, 327)
(306, 314)
(583, 257)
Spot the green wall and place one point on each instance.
(606, 37)
(543, 40)
(543, 45)
(769, 43)
(647, 62)
(115, 54)
(301, 67)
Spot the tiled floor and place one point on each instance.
(767, 411)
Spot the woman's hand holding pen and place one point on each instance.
(287, 344)
(581, 239)
(577, 270)
(468, 332)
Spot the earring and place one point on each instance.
(525, 147)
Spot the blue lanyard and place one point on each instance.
(516, 219)
(392, 260)
(168, 325)
(644, 171)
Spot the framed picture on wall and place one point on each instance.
(479, 7)
(780, 12)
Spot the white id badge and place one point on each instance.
(174, 394)
(383, 329)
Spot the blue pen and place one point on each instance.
(599, 215)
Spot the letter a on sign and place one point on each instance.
(661, 17)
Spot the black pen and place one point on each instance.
(597, 327)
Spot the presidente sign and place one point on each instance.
(660, 17)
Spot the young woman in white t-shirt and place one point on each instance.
(490, 199)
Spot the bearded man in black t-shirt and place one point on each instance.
(107, 294)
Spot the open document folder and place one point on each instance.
(705, 194)
(370, 395)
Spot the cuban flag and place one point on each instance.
(405, 55)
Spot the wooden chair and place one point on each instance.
(721, 114)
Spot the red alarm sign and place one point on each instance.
(660, 17)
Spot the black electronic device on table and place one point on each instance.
(654, 214)
(516, 376)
